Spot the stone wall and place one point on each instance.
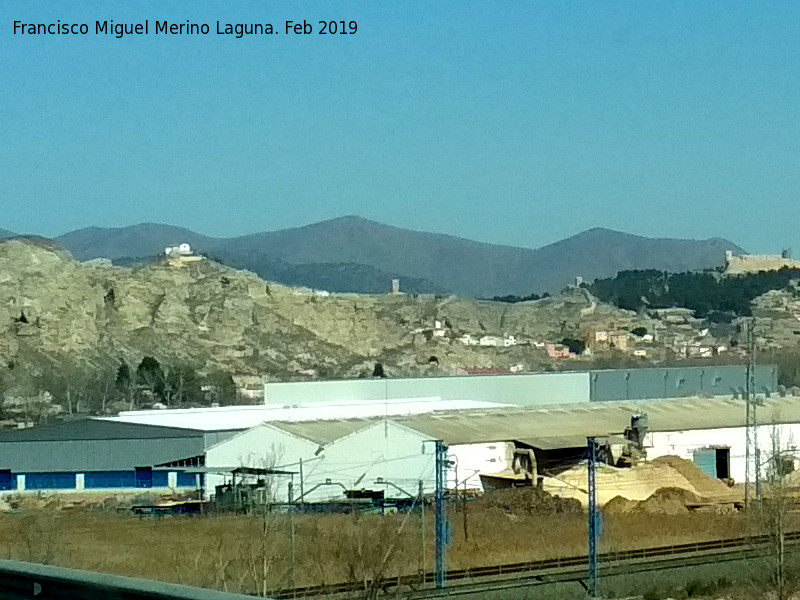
(753, 263)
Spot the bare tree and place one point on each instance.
(262, 551)
(776, 504)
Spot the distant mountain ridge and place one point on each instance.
(5, 233)
(352, 254)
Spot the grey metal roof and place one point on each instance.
(600, 419)
(94, 445)
(95, 455)
(325, 431)
(561, 426)
(556, 443)
(94, 429)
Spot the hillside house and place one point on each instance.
(557, 351)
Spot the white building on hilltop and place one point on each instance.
(179, 250)
(180, 254)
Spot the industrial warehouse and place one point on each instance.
(330, 440)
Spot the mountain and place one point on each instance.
(145, 239)
(61, 317)
(351, 254)
(5, 233)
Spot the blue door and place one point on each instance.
(144, 477)
(706, 460)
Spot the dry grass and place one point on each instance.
(251, 553)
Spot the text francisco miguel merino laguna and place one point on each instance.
(239, 30)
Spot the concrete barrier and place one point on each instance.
(20, 580)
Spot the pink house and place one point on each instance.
(557, 351)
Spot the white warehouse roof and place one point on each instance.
(561, 426)
(226, 418)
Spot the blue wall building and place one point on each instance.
(94, 454)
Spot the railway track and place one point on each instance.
(555, 569)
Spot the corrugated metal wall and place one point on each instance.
(49, 481)
(524, 390)
(640, 384)
(100, 480)
(185, 479)
(537, 389)
(109, 479)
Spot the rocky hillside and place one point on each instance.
(777, 315)
(351, 254)
(55, 309)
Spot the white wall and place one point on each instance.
(402, 456)
(385, 449)
(262, 446)
(683, 443)
(529, 389)
(472, 459)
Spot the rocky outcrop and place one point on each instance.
(207, 315)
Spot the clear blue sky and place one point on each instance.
(518, 123)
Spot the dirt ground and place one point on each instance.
(654, 505)
(245, 553)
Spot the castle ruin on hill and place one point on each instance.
(755, 263)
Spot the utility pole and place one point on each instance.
(758, 476)
(464, 511)
(751, 431)
(302, 488)
(593, 517)
(440, 514)
(421, 493)
(292, 577)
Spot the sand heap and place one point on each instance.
(528, 500)
(658, 479)
(668, 501)
(702, 483)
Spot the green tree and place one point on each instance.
(575, 345)
(66, 383)
(220, 388)
(124, 384)
(150, 376)
(181, 384)
(705, 293)
(123, 379)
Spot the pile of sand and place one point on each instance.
(619, 506)
(635, 483)
(528, 500)
(705, 485)
(668, 501)
(640, 482)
